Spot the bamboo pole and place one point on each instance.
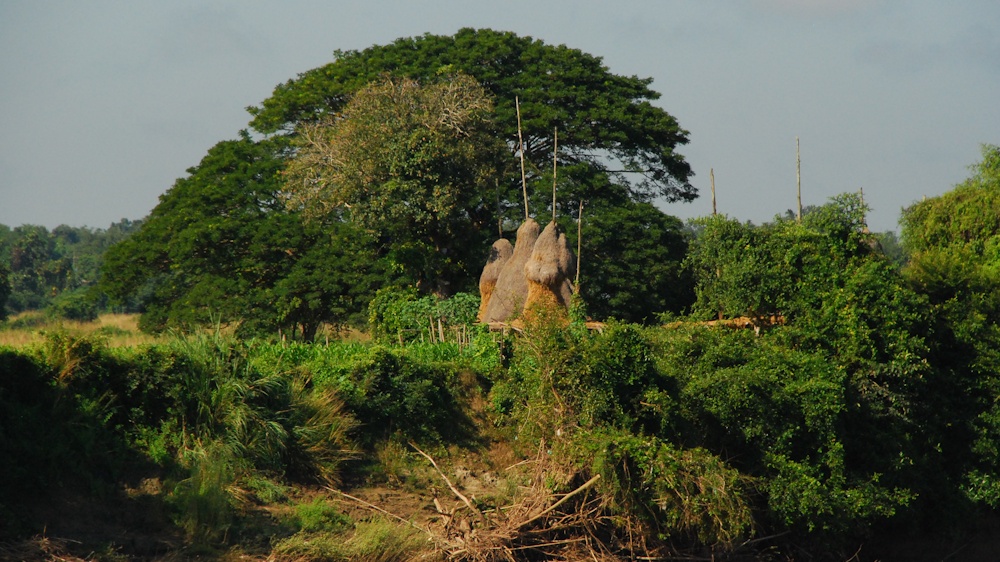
(579, 244)
(864, 216)
(555, 155)
(711, 174)
(520, 148)
(499, 214)
(798, 180)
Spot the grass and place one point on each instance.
(29, 328)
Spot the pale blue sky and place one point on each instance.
(103, 104)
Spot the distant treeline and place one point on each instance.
(56, 270)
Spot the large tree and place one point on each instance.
(220, 246)
(615, 149)
(954, 245)
(216, 244)
(632, 263)
(414, 164)
(614, 144)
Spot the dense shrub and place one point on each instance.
(393, 393)
(400, 315)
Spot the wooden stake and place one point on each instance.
(499, 214)
(579, 243)
(520, 148)
(798, 180)
(711, 174)
(555, 154)
(864, 217)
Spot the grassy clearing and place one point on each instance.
(118, 330)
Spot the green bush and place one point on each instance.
(392, 393)
(402, 315)
(78, 304)
(318, 515)
(203, 502)
(687, 495)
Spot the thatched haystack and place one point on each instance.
(548, 274)
(511, 291)
(499, 255)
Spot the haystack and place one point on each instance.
(499, 254)
(511, 290)
(548, 274)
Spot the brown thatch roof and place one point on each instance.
(511, 289)
(499, 254)
(549, 272)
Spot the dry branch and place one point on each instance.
(454, 490)
(374, 507)
(565, 498)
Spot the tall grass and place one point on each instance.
(117, 330)
(377, 540)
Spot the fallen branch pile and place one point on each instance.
(535, 524)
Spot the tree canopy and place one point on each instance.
(56, 270)
(413, 163)
(967, 216)
(221, 247)
(954, 242)
(405, 156)
(614, 143)
(632, 267)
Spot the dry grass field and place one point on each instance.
(29, 328)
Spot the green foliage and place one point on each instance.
(78, 305)
(31, 414)
(197, 407)
(377, 540)
(409, 391)
(221, 246)
(392, 393)
(320, 516)
(745, 270)
(969, 215)
(404, 316)
(954, 241)
(4, 288)
(793, 420)
(598, 114)
(735, 269)
(41, 265)
(687, 495)
(413, 162)
(322, 433)
(203, 502)
(632, 263)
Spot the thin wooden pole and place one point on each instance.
(711, 174)
(798, 179)
(520, 148)
(499, 214)
(579, 244)
(555, 154)
(864, 216)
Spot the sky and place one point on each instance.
(104, 104)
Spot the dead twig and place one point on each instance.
(380, 510)
(454, 490)
(564, 499)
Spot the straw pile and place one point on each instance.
(499, 255)
(548, 274)
(511, 290)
